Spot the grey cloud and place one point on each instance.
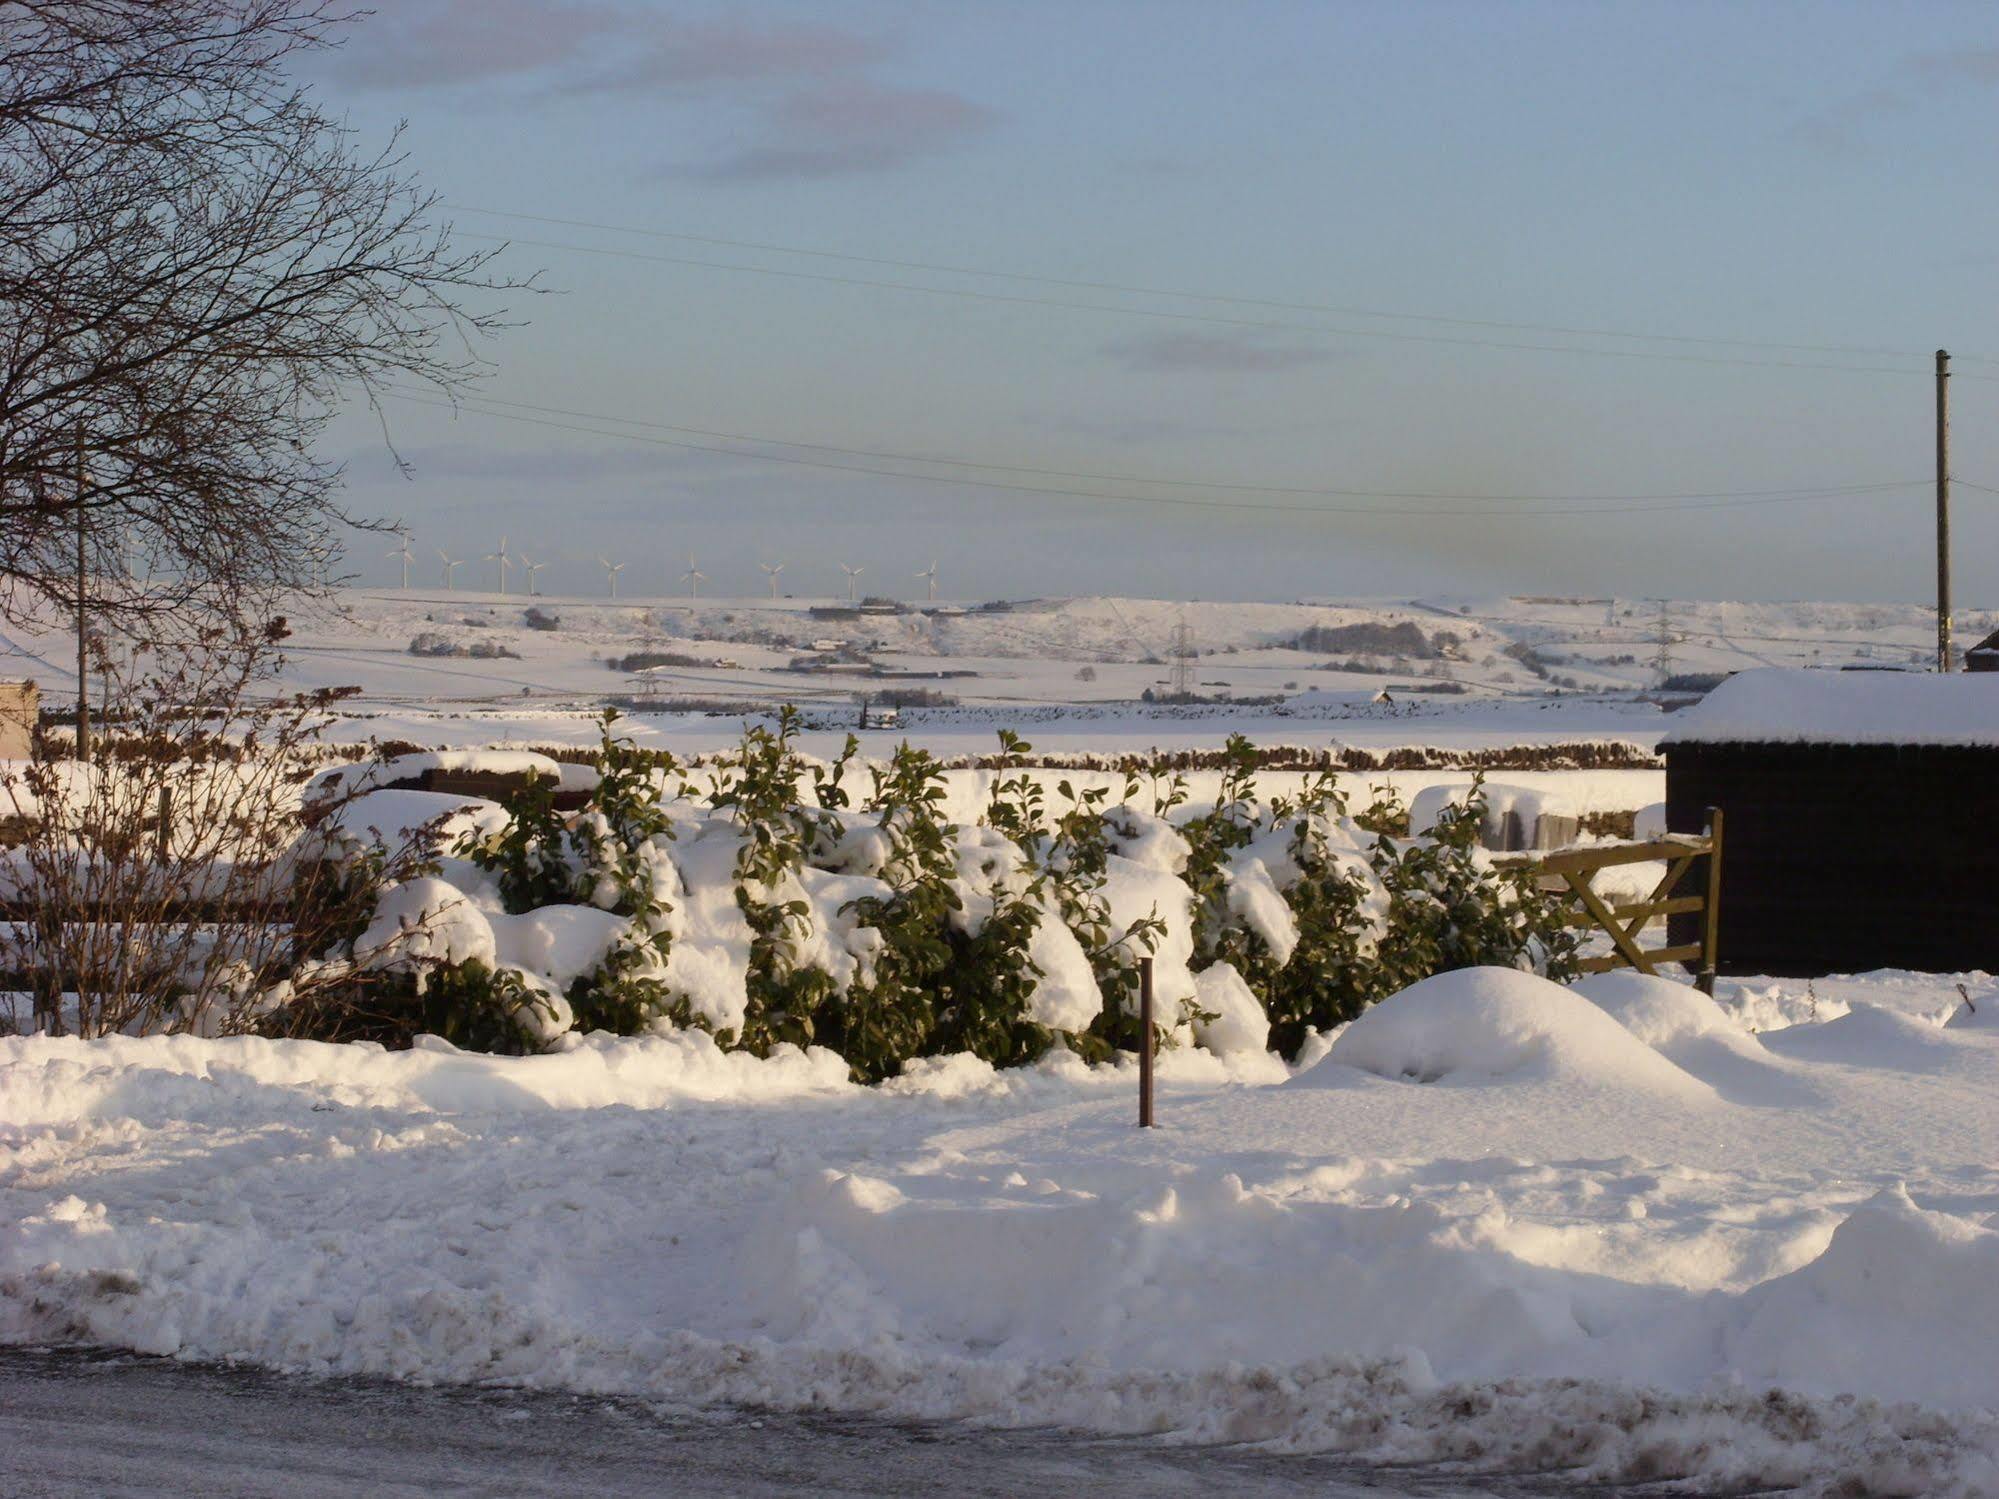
(1840, 129)
(676, 55)
(1218, 353)
(1974, 65)
(439, 43)
(852, 125)
(808, 102)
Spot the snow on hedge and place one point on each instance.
(392, 770)
(772, 897)
(1791, 705)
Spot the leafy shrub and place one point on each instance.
(872, 924)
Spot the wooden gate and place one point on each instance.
(1571, 871)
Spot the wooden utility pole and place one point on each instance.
(1943, 511)
(82, 617)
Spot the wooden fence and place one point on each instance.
(1571, 871)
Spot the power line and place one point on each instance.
(1172, 500)
(1211, 319)
(1335, 309)
(1812, 490)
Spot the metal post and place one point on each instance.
(82, 618)
(1711, 908)
(1943, 511)
(1145, 1043)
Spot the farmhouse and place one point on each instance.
(1863, 818)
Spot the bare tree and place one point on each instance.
(198, 265)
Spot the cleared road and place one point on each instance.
(89, 1423)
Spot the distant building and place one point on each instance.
(20, 705)
(1983, 656)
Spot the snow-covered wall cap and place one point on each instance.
(1790, 705)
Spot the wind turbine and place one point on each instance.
(451, 566)
(932, 576)
(532, 568)
(771, 570)
(693, 575)
(852, 573)
(611, 571)
(403, 552)
(503, 559)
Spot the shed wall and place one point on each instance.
(1842, 858)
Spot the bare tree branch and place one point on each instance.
(197, 265)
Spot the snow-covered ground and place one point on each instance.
(1043, 651)
(1621, 1230)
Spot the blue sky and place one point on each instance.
(1807, 174)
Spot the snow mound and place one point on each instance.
(1694, 1033)
(1871, 1036)
(1976, 1012)
(1480, 1025)
(1900, 1301)
(55, 1083)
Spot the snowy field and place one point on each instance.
(1088, 651)
(1622, 1232)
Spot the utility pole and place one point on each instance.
(1183, 660)
(1943, 511)
(1662, 659)
(82, 617)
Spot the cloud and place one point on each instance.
(804, 95)
(442, 43)
(1216, 353)
(1973, 65)
(853, 125)
(673, 54)
(1841, 128)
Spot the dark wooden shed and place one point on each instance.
(1983, 656)
(1863, 818)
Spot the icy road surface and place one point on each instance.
(76, 1423)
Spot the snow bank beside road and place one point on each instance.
(55, 1083)
(1556, 1254)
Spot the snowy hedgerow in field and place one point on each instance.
(758, 902)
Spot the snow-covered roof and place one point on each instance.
(1788, 705)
